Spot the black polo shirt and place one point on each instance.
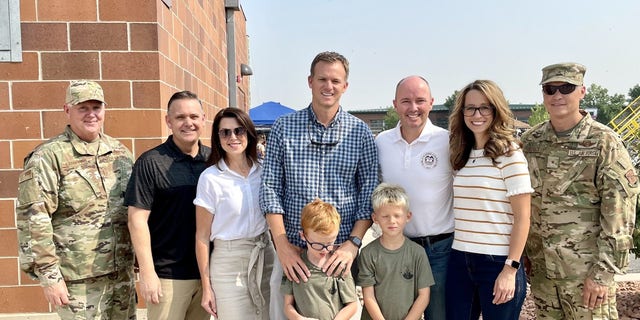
(164, 180)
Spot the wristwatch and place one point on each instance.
(356, 241)
(512, 263)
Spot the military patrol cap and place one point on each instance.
(569, 72)
(84, 90)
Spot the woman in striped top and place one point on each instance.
(492, 196)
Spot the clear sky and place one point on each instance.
(451, 43)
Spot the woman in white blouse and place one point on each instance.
(491, 199)
(235, 274)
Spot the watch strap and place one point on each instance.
(356, 241)
(512, 263)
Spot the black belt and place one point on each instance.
(431, 239)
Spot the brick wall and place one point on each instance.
(140, 51)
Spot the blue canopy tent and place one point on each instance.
(266, 114)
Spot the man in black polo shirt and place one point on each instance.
(162, 215)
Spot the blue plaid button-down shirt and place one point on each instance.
(306, 160)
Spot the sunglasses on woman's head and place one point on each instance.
(564, 89)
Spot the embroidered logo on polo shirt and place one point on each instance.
(429, 160)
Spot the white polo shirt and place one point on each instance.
(422, 168)
(233, 200)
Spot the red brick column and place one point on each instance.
(141, 52)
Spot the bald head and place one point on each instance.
(413, 102)
(412, 80)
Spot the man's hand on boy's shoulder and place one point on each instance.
(292, 265)
(341, 260)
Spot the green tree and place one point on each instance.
(634, 93)
(391, 118)
(451, 100)
(608, 106)
(538, 115)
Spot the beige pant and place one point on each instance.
(240, 272)
(276, 309)
(180, 301)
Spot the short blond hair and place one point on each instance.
(319, 216)
(389, 194)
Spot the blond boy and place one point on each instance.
(395, 274)
(322, 297)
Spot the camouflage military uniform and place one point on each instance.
(582, 216)
(72, 224)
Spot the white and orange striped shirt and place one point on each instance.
(481, 206)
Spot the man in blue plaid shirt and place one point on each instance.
(321, 152)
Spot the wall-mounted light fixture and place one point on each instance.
(245, 70)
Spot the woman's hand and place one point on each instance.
(208, 302)
(505, 285)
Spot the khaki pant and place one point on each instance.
(180, 301)
(240, 272)
(276, 307)
(112, 296)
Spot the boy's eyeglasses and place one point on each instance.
(226, 133)
(564, 89)
(484, 110)
(321, 246)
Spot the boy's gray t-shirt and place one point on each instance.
(321, 297)
(396, 276)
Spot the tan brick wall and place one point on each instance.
(140, 51)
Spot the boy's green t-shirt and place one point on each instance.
(321, 297)
(396, 276)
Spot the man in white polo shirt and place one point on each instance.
(415, 155)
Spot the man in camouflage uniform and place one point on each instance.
(582, 211)
(72, 224)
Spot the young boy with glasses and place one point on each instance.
(394, 272)
(322, 296)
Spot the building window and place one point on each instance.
(10, 37)
(377, 125)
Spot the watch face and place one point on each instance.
(356, 241)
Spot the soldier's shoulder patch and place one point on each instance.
(587, 143)
(26, 175)
(631, 176)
